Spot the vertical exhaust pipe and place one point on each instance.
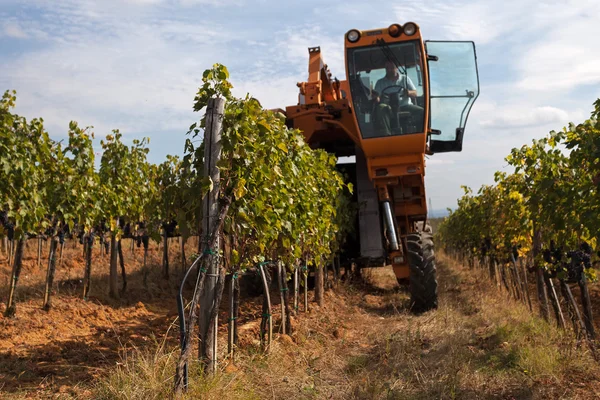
(391, 227)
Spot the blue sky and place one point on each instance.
(135, 65)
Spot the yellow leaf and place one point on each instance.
(240, 189)
(282, 147)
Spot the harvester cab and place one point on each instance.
(403, 98)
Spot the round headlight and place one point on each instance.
(395, 30)
(353, 35)
(410, 28)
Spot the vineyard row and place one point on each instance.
(256, 193)
(543, 218)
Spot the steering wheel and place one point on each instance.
(400, 92)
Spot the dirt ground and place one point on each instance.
(76, 340)
(362, 344)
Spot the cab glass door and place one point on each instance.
(454, 87)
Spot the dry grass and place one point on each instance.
(479, 344)
(364, 344)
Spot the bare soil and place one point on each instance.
(74, 342)
(363, 343)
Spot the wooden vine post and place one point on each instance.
(236, 310)
(210, 207)
(519, 281)
(101, 249)
(286, 302)
(280, 280)
(50, 273)
(539, 273)
(319, 283)
(587, 306)
(122, 264)
(266, 325)
(145, 243)
(492, 269)
(231, 326)
(560, 320)
(182, 241)
(526, 285)
(87, 276)
(16, 273)
(578, 324)
(305, 269)
(62, 246)
(11, 245)
(165, 253)
(39, 254)
(186, 325)
(296, 290)
(113, 276)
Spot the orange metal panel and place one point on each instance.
(394, 145)
(320, 87)
(401, 271)
(399, 146)
(327, 117)
(368, 37)
(405, 165)
(345, 86)
(312, 120)
(401, 209)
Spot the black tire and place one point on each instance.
(423, 282)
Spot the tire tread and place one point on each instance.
(423, 282)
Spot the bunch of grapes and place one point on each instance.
(580, 260)
(8, 226)
(169, 227)
(3, 218)
(90, 238)
(64, 232)
(141, 236)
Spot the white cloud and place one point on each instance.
(549, 44)
(519, 117)
(141, 77)
(214, 3)
(564, 57)
(145, 2)
(482, 22)
(294, 42)
(13, 30)
(136, 64)
(276, 92)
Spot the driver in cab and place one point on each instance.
(404, 88)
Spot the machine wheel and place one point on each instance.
(423, 282)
